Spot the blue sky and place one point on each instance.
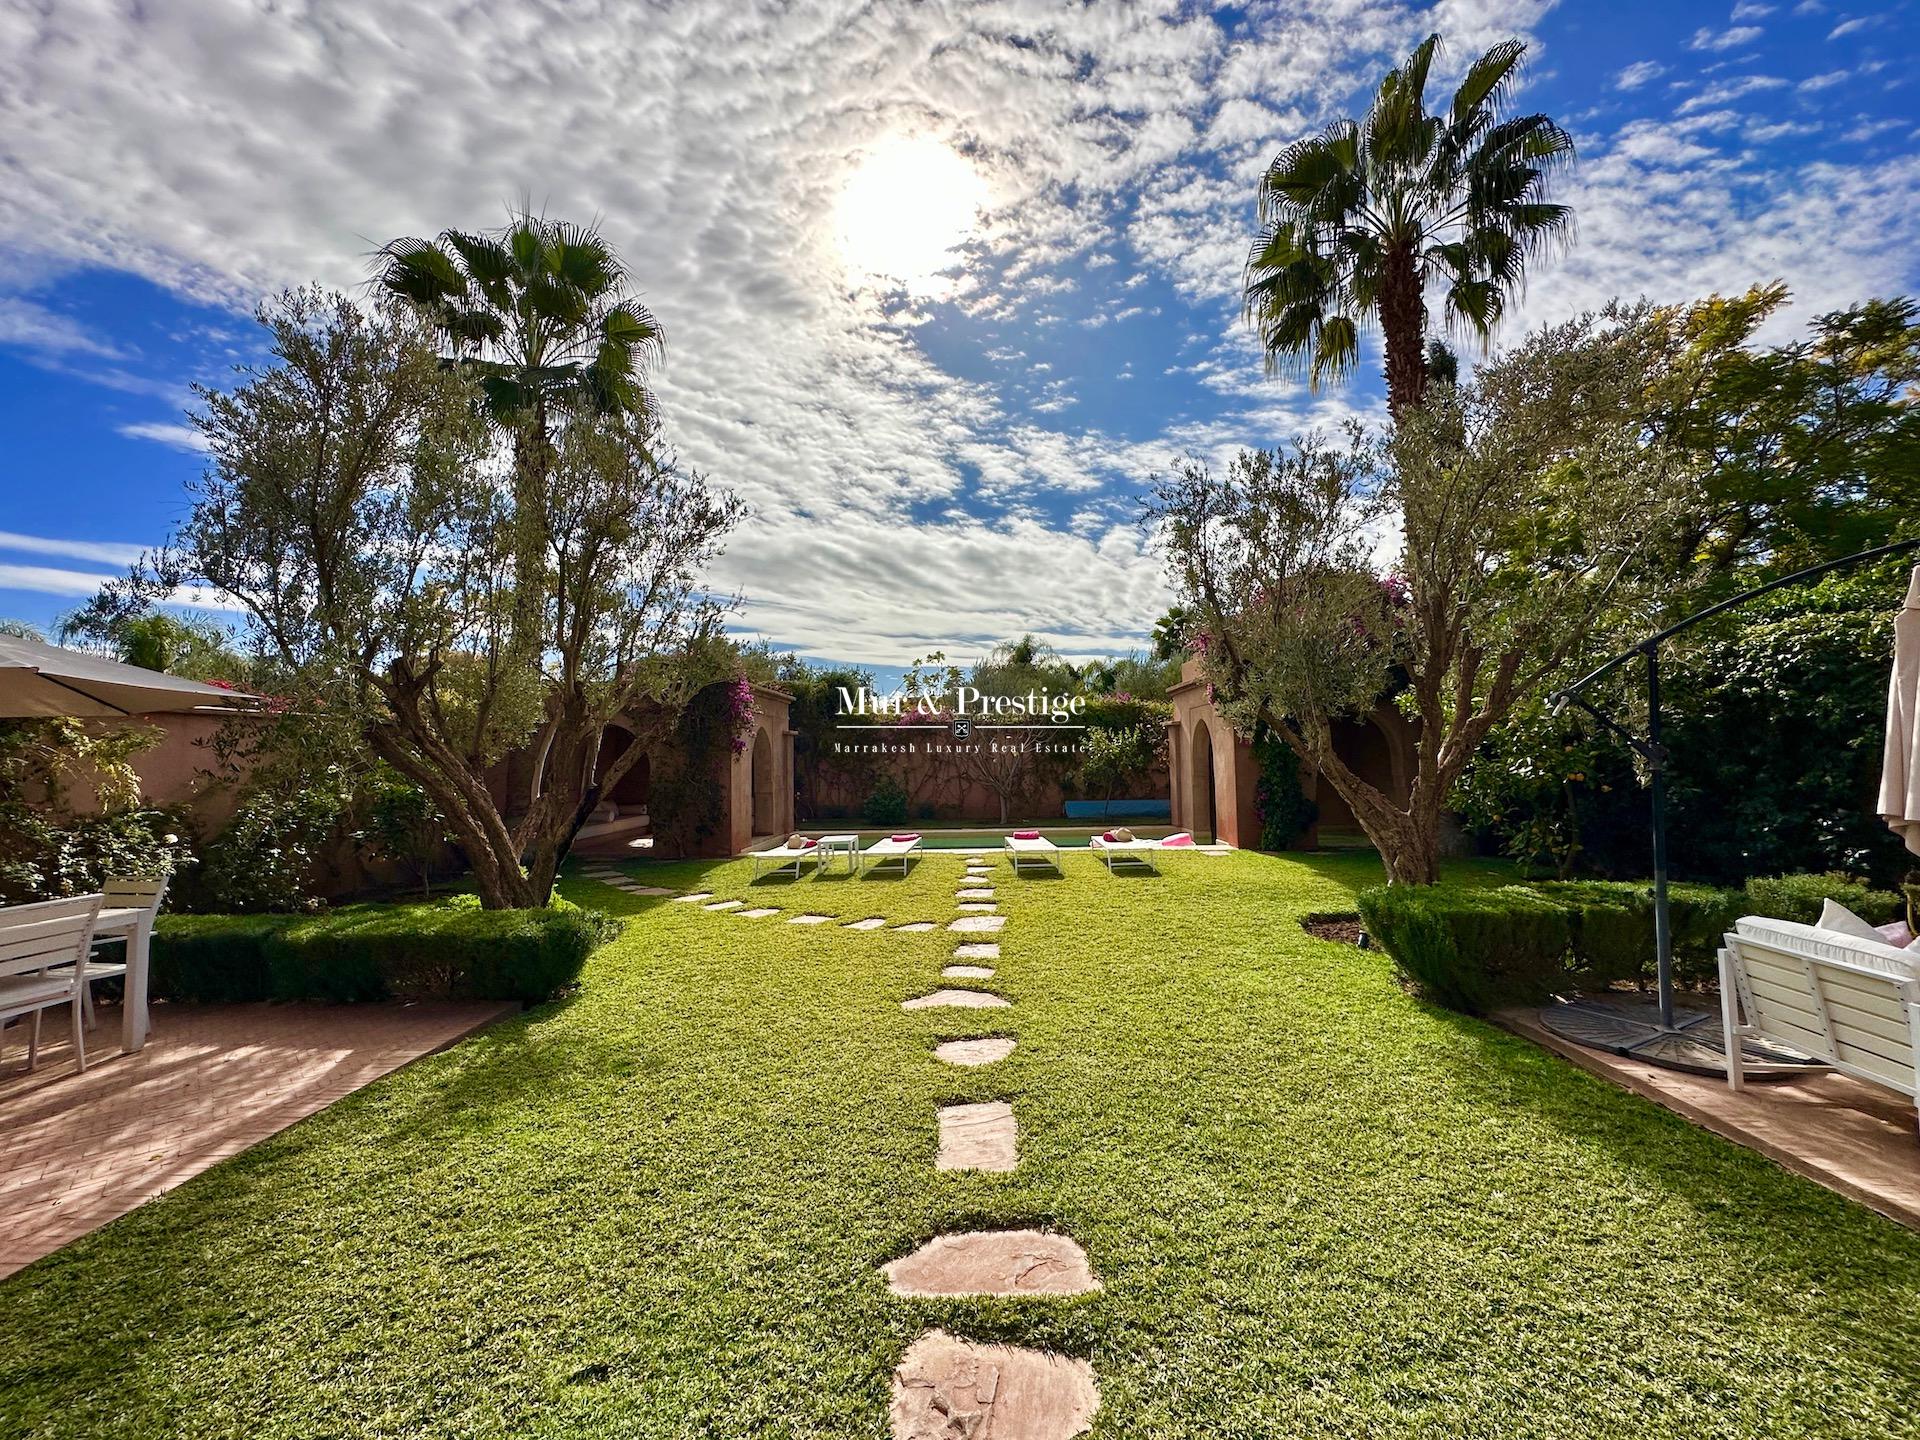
(934, 459)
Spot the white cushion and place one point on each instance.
(1838, 919)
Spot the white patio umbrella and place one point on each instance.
(1900, 776)
(39, 680)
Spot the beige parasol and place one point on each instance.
(1900, 777)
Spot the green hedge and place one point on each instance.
(1801, 898)
(1476, 948)
(375, 952)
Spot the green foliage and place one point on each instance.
(1468, 948)
(1547, 791)
(376, 952)
(1613, 928)
(1279, 799)
(48, 849)
(1801, 897)
(886, 803)
(404, 825)
(195, 648)
(268, 856)
(686, 791)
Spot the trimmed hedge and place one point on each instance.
(1801, 897)
(1476, 948)
(453, 951)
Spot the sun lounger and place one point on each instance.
(1032, 851)
(1131, 853)
(783, 856)
(884, 852)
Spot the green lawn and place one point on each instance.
(1319, 1208)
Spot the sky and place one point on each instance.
(944, 285)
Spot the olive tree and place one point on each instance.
(1523, 517)
(359, 511)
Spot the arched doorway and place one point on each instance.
(630, 791)
(1200, 782)
(765, 812)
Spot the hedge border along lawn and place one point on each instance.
(446, 950)
(1319, 1207)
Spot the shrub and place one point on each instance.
(1613, 927)
(376, 952)
(1279, 799)
(886, 803)
(1800, 897)
(1468, 948)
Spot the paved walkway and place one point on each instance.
(78, 1150)
(1851, 1137)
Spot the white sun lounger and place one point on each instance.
(1852, 1003)
(1041, 854)
(782, 858)
(1132, 853)
(885, 852)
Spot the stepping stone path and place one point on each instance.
(974, 895)
(724, 905)
(974, 1052)
(952, 1389)
(975, 909)
(918, 927)
(873, 922)
(644, 889)
(977, 924)
(978, 1137)
(993, 1262)
(979, 950)
(958, 1000)
(809, 920)
(968, 972)
(697, 895)
(757, 914)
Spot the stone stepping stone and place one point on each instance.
(757, 914)
(724, 905)
(917, 927)
(872, 922)
(973, 895)
(975, 909)
(979, 950)
(977, 924)
(957, 999)
(973, 1052)
(696, 895)
(978, 1137)
(968, 972)
(951, 1389)
(809, 919)
(646, 889)
(993, 1262)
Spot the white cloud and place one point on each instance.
(1823, 81)
(1751, 10)
(179, 437)
(1638, 74)
(1729, 39)
(102, 551)
(1854, 26)
(34, 327)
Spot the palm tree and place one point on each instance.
(539, 313)
(1360, 219)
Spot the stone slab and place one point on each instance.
(977, 924)
(646, 889)
(957, 999)
(915, 927)
(952, 1389)
(724, 905)
(809, 919)
(978, 950)
(978, 1137)
(975, 909)
(974, 1052)
(973, 895)
(696, 895)
(872, 922)
(993, 1262)
(968, 972)
(758, 912)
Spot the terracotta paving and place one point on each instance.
(1855, 1138)
(978, 1137)
(78, 1150)
(952, 1389)
(993, 1262)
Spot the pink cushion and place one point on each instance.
(1026, 834)
(1897, 934)
(808, 844)
(913, 835)
(1111, 838)
(1176, 841)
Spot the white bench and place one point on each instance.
(1851, 1003)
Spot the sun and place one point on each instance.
(909, 204)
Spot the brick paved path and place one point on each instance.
(79, 1150)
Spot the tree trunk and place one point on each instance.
(1403, 320)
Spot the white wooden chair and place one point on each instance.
(1851, 1003)
(122, 892)
(43, 964)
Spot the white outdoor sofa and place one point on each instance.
(1135, 854)
(1852, 1003)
